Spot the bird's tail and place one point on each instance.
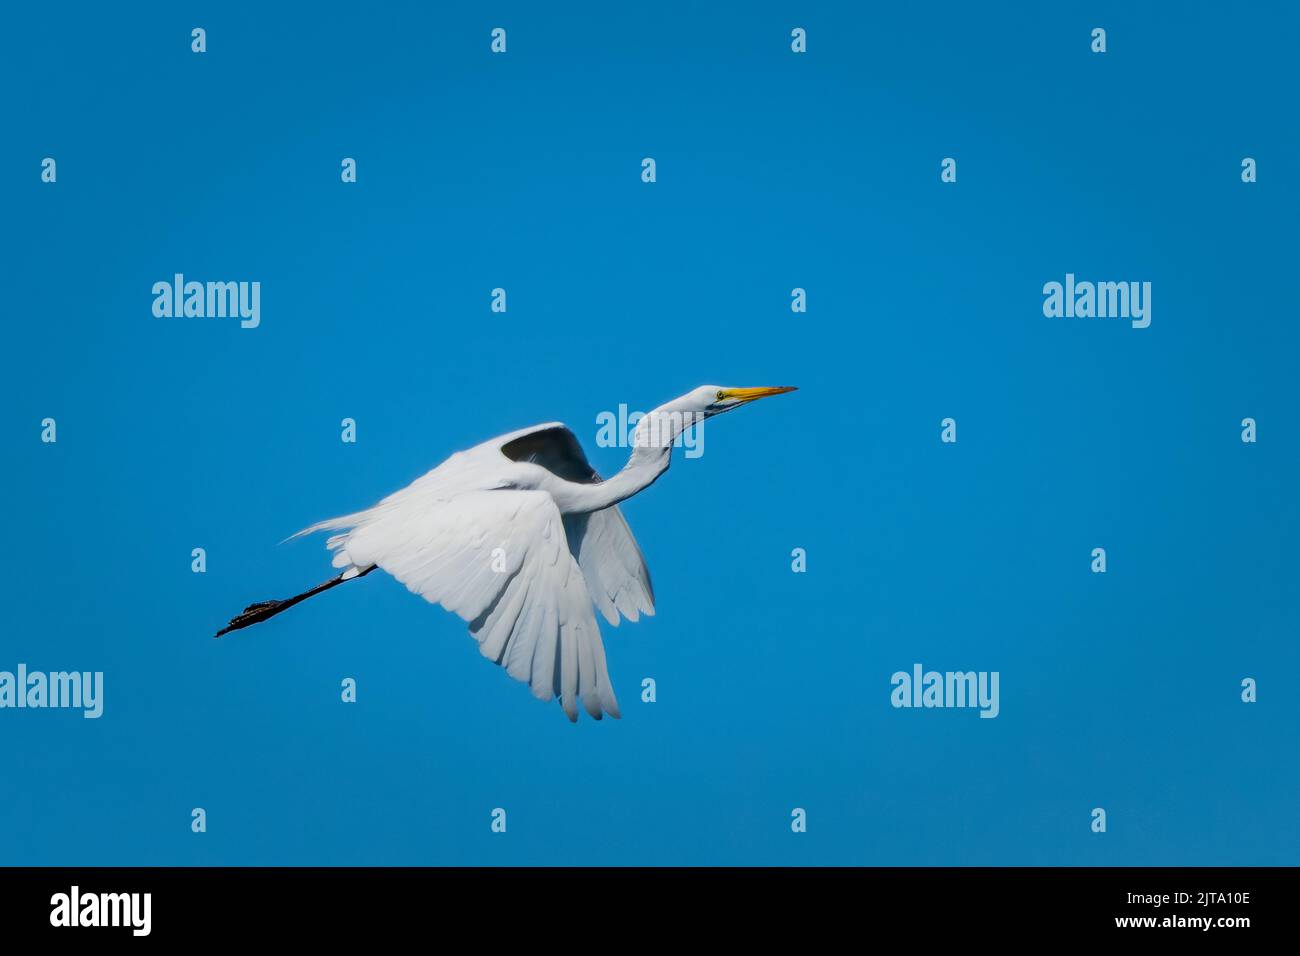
(262, 610)
(332, 524)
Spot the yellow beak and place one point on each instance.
(752, 394)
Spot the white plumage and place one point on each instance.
(522, 539)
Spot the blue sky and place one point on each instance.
(775, 171)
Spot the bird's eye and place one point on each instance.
(719, 394)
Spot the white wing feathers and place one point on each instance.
(501, 561)
(612, 563)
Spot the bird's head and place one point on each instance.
(710, 400)
(661, 427)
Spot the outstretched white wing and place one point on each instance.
(501, 560)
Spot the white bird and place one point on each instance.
(520, 537)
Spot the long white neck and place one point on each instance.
(652, 448)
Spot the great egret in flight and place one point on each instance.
(520, 536)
